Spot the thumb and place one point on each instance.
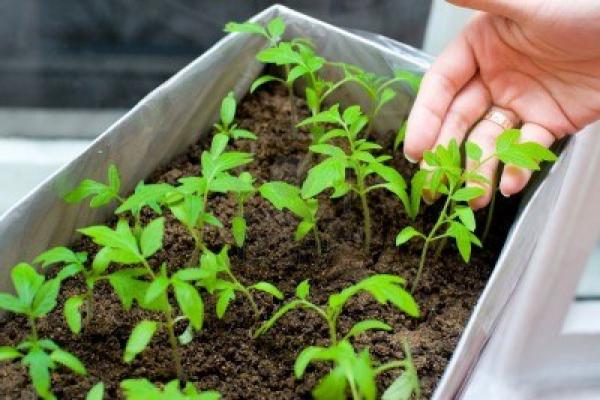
(513, 9)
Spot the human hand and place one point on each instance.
(537, 60)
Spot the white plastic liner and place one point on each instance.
(173, 116)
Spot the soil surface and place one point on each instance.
(223, 356)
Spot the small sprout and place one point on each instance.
(226, 126)
(143, 389)
(331, 171)
(445, 175)
(74, 264)
(350, 369)
(283, 195)
(188, 201)
(356, 373)
(384, 288)
(296, 56)
(216, 277)
(100, 193)
(243, 190)
(147, 287)
(35, 298)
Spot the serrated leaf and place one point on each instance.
(152, 237)
(268, 288)
(303, 289)
(467, 217)
(324, 175)
(224, 299)
(68, 360)
(190, 303)
(467, 193)
(406, 234)
(370, 324)
(72, 313)
(139, 339)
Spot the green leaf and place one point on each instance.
(276, 27)
(127, 287)
(101, 194)
(295, 73)
(278, 314)
(400, 135)
(246, 27)
(467, 193)
(304, 358)
(9, 353)
(60, 255)
(225, 297)
(327, 149)
(188, 211)
(188, 274)
(228, 107)
(72, 313)
(238, 229)
(466, 216)
(507, 139)
(96, 392)
(243, 134)
(412, 79)
(157, 288)
(68, 360)
(303, 228)
(363, 326)
(152, 237)
(11, 303)
(39, 364)
(473, 151)
(45, 298)
(386, 96)
(120, 239)
(282, 54)
(139, 339)
(283, 195)
(324, 175)
(463, 238)
(406, 234)
(332, 386)
(330, 116)
(26, 282)
(190, 303)
(261, 80)
(268, 288)
(404, 386)
(303, 289)
(146, 195)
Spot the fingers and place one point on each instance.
(466, 109)
(484, 135)
(514, 178)
(506, 8)
(451, 71)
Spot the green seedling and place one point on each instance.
(149, 288)
(379, 89)
(297, 57)
(357, 373)
(384, 288)
(355, 156)
(74, 264)
(217, 278)
(350, 369)
(143, 389)
(188, 202)
(35, 298)
(283, 195)
(446, 176)
(242, 193)
(226, 126)
(102, 194)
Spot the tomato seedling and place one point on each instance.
(242, 193)
(35, 298)
(149, 288)
(445, 175)
(226, 126)
(350, 369)
(283, 195)
(356, 156)
(217, 278)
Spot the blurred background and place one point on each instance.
(70, 68)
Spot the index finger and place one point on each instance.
(449, 73)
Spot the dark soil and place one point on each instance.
(223, 356)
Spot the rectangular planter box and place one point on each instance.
(173, 116)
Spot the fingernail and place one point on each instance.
(504, 194)
(410, 159)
